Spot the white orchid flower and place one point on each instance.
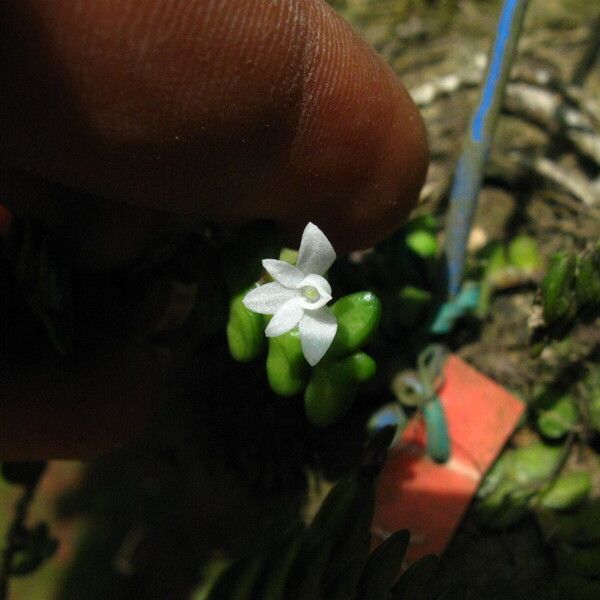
(299, 295)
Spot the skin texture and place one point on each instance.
(163, 114)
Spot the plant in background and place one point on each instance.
(330, 558)
(568, 294)
(26, 548)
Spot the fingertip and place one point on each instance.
(360, 155)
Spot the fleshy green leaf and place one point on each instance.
(524, 253)
(333, 386)
(556, 414)
(557, 292)
(587, 285)
(568, 491)
(287, 369)
(411, 305)
(358, 315)
(244, 330)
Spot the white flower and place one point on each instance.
(298, 295)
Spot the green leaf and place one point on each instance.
(593, 404)
(524, 253)
(358, 316)
(587, 285)
(557, 288)
(287, 370)
(556, 415)
(534, 463)
(568, 491)
(414, 582)
(331, 391)
(422, 242)
(245, 333)
(411, 305)
(504, 507)
(363, 366)
(383, 568)
(494, 256)
(333, 386)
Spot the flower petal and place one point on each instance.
(319, 283)
(268, 298)
(317, 329)
(316, 253)
(282, 272)
(285, 318)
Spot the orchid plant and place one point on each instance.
(303, 330)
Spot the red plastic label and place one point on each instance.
(427, 498)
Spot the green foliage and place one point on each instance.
(245, 333)
(329, 559)
(570, 293)
(515, 483)
(523, 253)
(568, 491)
(587, 286)
(287, 370)
(412, 305)
(556, 414)
(574, 537)
(357, 315)
(558, 299)
(421, 236)
(333, 385)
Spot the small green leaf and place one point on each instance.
(245, 333)
(556, 414)
(411, 305)
(383, 568)
(568, 491)
(331, 391)
(422, 242)
(593, 404)
(358, 315)
(494, 256)
(534, 463)
(363, 365)
(504, 507)
(414, 582)
(287, 370)
(587, 285)
(557, 293)
(524, 253)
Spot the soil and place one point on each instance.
(444, 41)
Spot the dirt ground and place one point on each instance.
(439, 52)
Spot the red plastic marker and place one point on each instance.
(429, 498)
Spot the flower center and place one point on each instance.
(311, 293)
